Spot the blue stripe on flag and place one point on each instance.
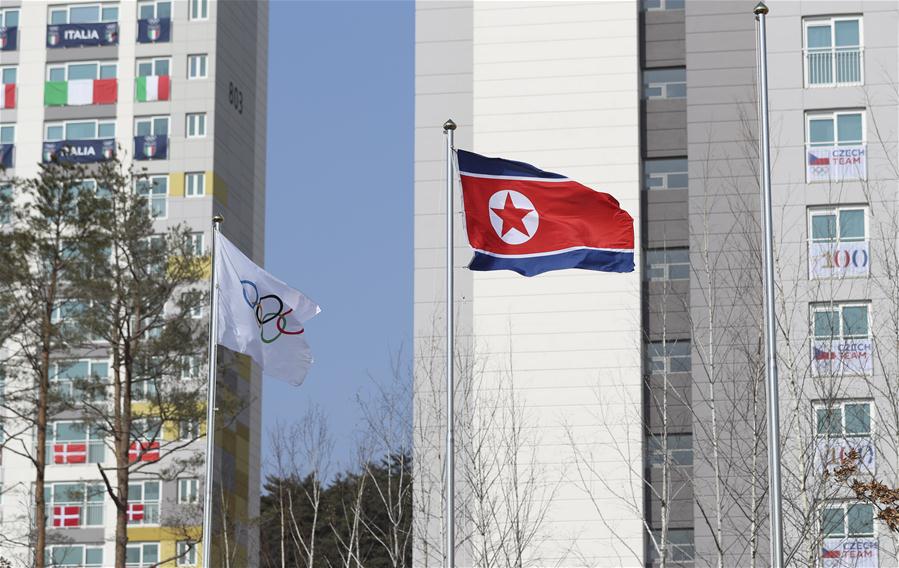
(476, 164)
(588, 259)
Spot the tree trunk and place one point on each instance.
(40, 458)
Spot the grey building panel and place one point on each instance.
(81, 535)
(100, 52)
(668, 310)
(663, 39)
(666, 219)
(79, 112)
(665, 128)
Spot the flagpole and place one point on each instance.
(448, 129)
(210, 400)
(776, 520)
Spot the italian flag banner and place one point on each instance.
(80, 92)
(155, 88)
(8, 96)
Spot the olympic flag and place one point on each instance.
(261, 316)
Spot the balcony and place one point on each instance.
(834, 66)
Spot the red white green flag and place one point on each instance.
(80, 92)
(154, 88)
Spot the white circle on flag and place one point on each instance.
(516, 212)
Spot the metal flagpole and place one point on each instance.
(210, 401)
(776, 520)
(448, 129)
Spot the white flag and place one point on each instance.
(260, 316)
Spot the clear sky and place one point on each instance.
(339, 195)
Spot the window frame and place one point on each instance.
(192, 485)
(664, 85)
(152, 120)
(186, 557)
(151, 178)
(190, 188)
(838, 307)
(68, 11)
(15, 70)
(3, 16)
(198, 10)
(155, 4)
(193, 131)
(55, 370)
(845, 506)
(813, 21)
(655, 457)
(86, 487)
(833, 115)
(835, 210)
(143, 562)
(91, 444)
(65, 124)
(666, 264)
(83, 562)
(667, 358)
(142, 483)
(205, 60)
(67, 65)
(841, 405)
(153, 61)
(8, 127)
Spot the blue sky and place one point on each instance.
(339, 195)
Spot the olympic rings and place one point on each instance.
(279, 316)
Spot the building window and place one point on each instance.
(669, 356)
(196, 125)
(188, 430)
(187, 553)
(835, 146)
(680, 545)
(74, 555)
(154, 67)
(838, 243)
(7, 134)
(668, 264)
(191, 367)
(9, 18)
(150, 10)
(665, 173)
(8, 75)
(82, 70)
(142, 555)
(79, 379)
(847, 520)
(197, 244)
(84, 14)
(842, 419)
(668, 83)
(151, 126)
(655, 5)
(841, 342)
(199, 9)
(679, 451)
(79, 130)
(195, 184)
(73, 505)
(833, 51)
(188, 490)
(143, 503)
(196, 66)
(74, 443)
(156, 190)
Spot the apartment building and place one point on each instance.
(640, 398)
(180, 87)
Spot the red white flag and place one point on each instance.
(66, 516)
(135, 512)
(69, 453)
(8, 96)
(143, 451)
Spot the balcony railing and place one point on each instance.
(834, 66)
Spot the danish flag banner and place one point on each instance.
(66, 516)
(524, 219)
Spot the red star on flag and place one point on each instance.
(513, 217)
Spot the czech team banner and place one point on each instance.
(524, 219)
(850, 552)
(82, 35)
(836, 163)
(261, 316)
(154, 30)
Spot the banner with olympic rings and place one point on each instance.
(838, 259)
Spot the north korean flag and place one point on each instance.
(524, 219)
